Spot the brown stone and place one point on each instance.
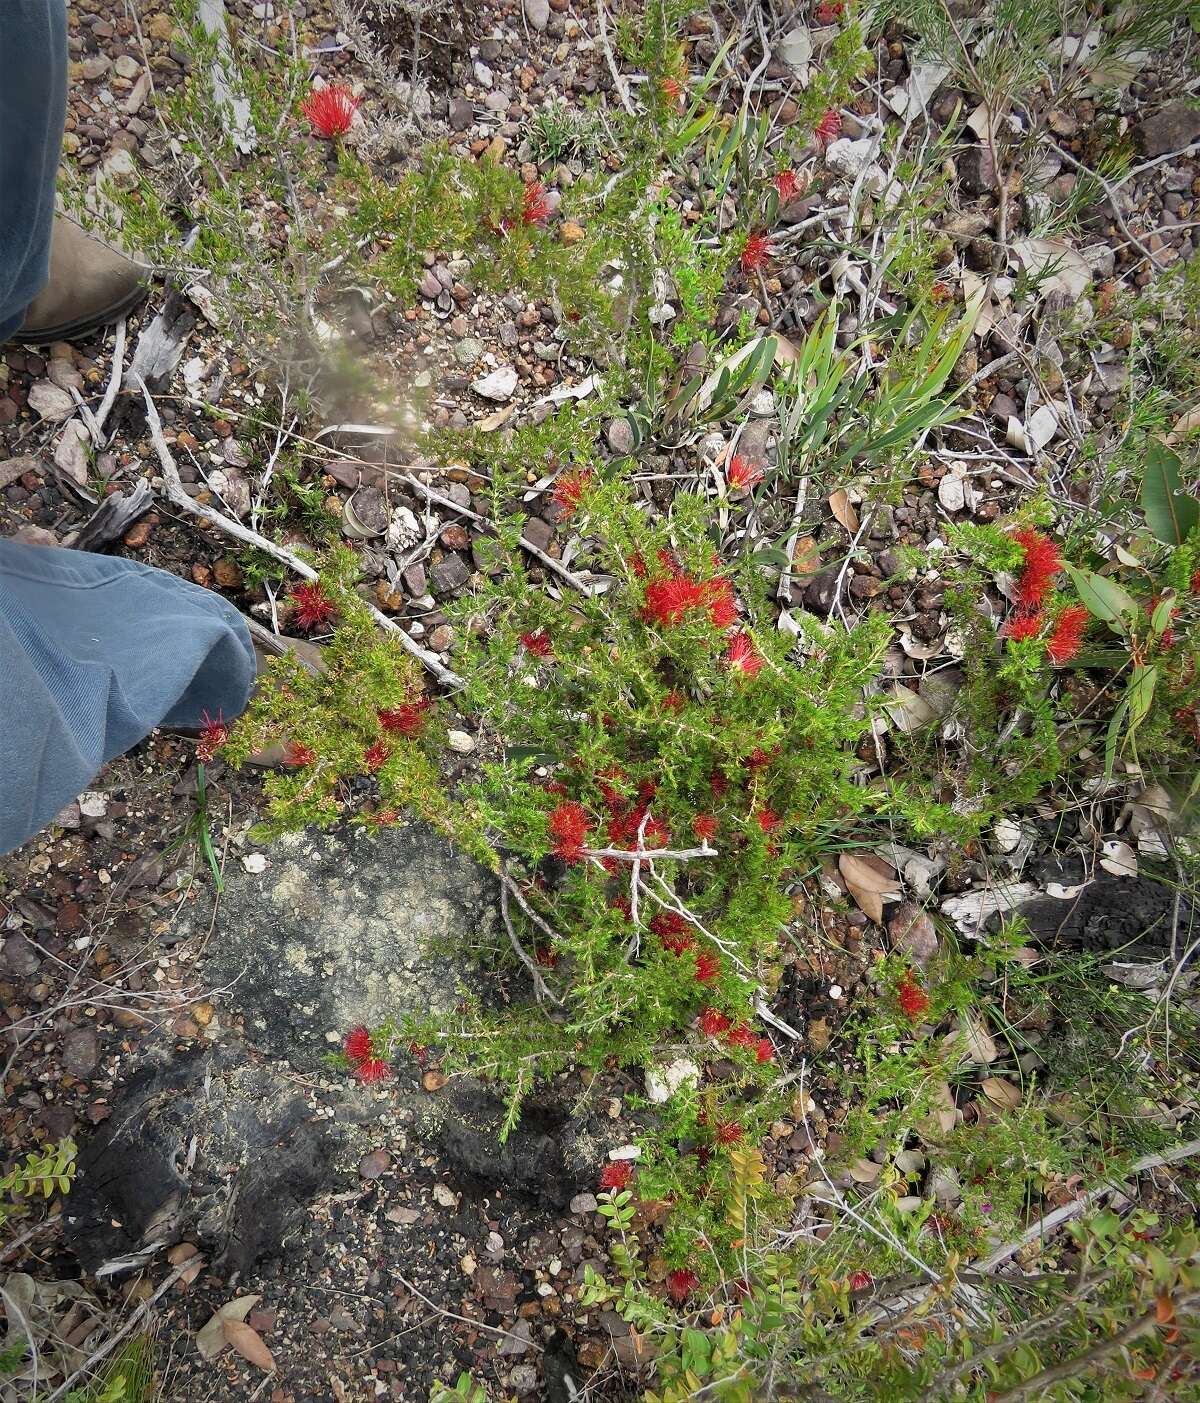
(228, 573)
(138, 534)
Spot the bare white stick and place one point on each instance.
(114, 380)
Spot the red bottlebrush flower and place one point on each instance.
(759, 759)
(673, 930)
(756, 252)
(828, 10)
(372, 1069)
(616, 801)
(407, 719)
(672, 89)
(719, 784)
(704, 826)
(767, 820)
(1025, 623)
(859, 1280)
(569, 489)
(742, 656)
(357, 1045)
(913, 1000)
(557, 787)
(376, 755)
(708, 967)
(297, 754)
(667, 601)
(681, 1284)
(764, 1050)
(787, 185)
(742, 474)
(742, 1036)
(616, 1174)
(330, 110)
(637, 565)
(538, 644)
(545, 956)
(722, 606)
(713, 1022)
(311, 606)
(569, 827)
(656, 834)
(828, 128)
(674, 700)
(1194, 583)
(1042, 563)
(623, 905)
(729, 1132)
(382, 817)
(213, 736)
(1066, 637)
(535, 207)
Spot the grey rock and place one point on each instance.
(449, 574)
(976, 173)
(19, 956)
(1003, 408)
(524, 1378)
(584, 1203)
(538, 533)
(338, 931)
(619, 433)
(467, 351)
(517, 1342)
(913, 933)
(546, 351)
(500, 385)
(414, 579)
(509, 335)
(537, 13)
(1170, 129)
(81, 1052)
(429, 286)
(462, 114)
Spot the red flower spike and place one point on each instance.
(623, 905)
(719, 784)
(674, 932)
(787, 186)
(330, 110)
(828, 128)
(708, 967)
(357, 1045)
(722, 606)
(1024, 624)
(373, 1069)
(674, 701)
(376, 756)
(764, 1050)
(407, 719)
(767, 820)
(681, 1284)
(298, 754)
(311, 606)
(535, 207)
(742, 474)
(212, 737)
(1066, 638)
(616, 1174)
(729, 1132)
(667, 601)
(672, 89)
(859, 1280)
(743, 657)
(569, 489)
(704, 826)
(756, 252)
(913, 1000)
(538, 644)
(713, 1022)
(742, 1036)
(1194, 583)
(656, 834)
(569, 827)
(1042, 564)
(828, 10)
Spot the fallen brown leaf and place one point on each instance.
(843, 511)
(249, 1344)
(1001, 1092)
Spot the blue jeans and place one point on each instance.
(33, 105)
(94, 652)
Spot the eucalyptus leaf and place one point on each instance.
(1170, 513)
(1102, 597)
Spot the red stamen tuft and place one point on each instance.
(722, 606)
(767, 820)
(704, 826)
(743, 657)
(667, 601)
(538, 644)
(764, 1051)
(672, 89)
(859, 1280)
(742, 1036)
(376, 755)
(616, 1174)
(298, 754)
(311, 606)
(535, 207)
(569, 826)
(729, 1132)
(1042, 564)
(828, 128)
(212, 737)
(787, 185)
(1024, 624)
(913, 1000)
(756, 252)
(407, 719)
(330, 110)
(357, 1045)
(828, 10)
(1066, 638)
(708, 967)
(673, 930)
(373, 1069)
(674, 700)
(569, 489)
(743, 474)
(713, 1022)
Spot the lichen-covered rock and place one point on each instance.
(344, 928)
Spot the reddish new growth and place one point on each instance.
(357, 1046)
(405, 719)
(330, 110)
(729, 1132)
(755, 252)
(1024, 624)
(674, 932)
(373, 1069)
(787, 185)
(913, 1000)
(1042, 564)
(569, 826)
(704, 826)
(742, 656)
(616, 1174)
(376, 756)
(569, 489)
(538, 643)
(708, 967)
(742, 474)
(681, 1284)
(311, 606)
(298, 754)
(828, 128)
(213, 736)
(535, 206)
(1066, 637)
(713, 1022)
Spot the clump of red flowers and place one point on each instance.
(713, 1022)
(828, 128)
(1066, 637)
(913, 1000)
(828, 10)
(537, 643)
(673, 930)
(365, 1065)
(755, 252)
(569, 489)
(535, 206)
(681, 1283)
(297, 754)
(357, 1045)
(311, 606)
(729, 1132)
(742, 1036)
(1042, 563)
(667, 601)
(787, 185)
(407, 719)
(742, 656)
(764, 1051)
(704, 826)
(708, 967)
(742, 474)
(672, 89)
(376, 756)
(213, 735)
(569, 827)
(330, 110)
(616, 1174)
(1024, 626)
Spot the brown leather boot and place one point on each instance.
(90, 286)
